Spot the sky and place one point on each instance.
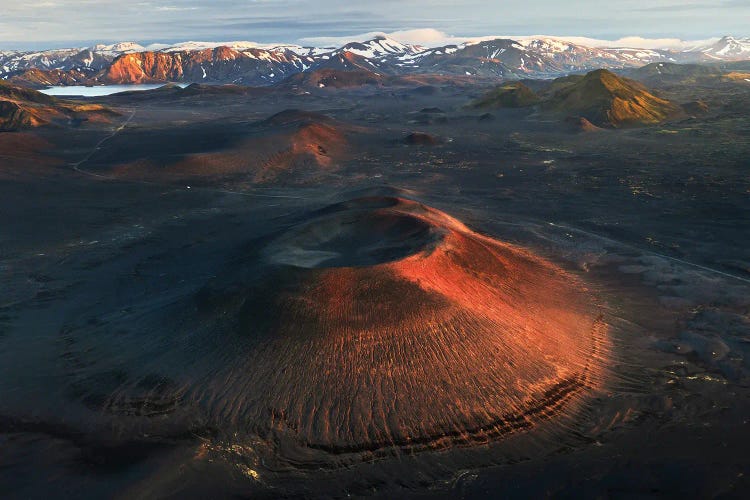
(36, 24)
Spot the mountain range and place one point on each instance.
(249, 63)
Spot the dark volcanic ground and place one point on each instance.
(108, 231)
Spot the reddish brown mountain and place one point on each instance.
(220, 64)
(41, 78)
(406, 304)
(25, 108)
(334, 78)
(294, 146)
(144, 67)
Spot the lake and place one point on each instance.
(100, 90)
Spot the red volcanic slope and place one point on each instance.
(25, 151)
(293, 145)
(390, 324)
(143, 67)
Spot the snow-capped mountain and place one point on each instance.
(252, 63)
(63, 59)
(380, 48)
(537, 57)
(728, 48)
(117, 48)
(578, 56)
(380, 54)
(239, 46)
(639, 57)
(505, 57)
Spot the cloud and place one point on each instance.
(174, 8)
(424, 36)
(673, 8)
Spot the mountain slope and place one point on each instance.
(382, 49)
(608, 100)
(290, 146)
(346, 61)
(22, 108)
(670, 73)
(728, 48)
(333, 78)
(483, 59)
(509, 95)
(220, 64)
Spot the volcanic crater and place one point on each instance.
(426, 334)
(366, 232)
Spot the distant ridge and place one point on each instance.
(249, 63)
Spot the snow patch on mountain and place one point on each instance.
(727, 48)
(116, 49)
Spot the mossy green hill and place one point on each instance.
(601, 98)
(608, 100)
(508, 95)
